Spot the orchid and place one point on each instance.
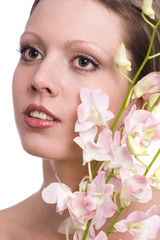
(57, 193)
(78, 210)
(91, 150)
(93, 109)
(98, 199)
(119, 155)
(134, 187)
(141, 124)
(120, 57)
(147, 85)
(106, 149)
(139, 224)
(135, 148)
(147, 8)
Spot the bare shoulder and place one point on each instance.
(6, 224)
(13, 221)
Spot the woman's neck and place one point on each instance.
(69, 172)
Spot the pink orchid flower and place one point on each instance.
(57, 193)
(101, 236)
(141, 124)
(147, 85)
(98, 199)
(119, 155)
(106, 149)
(78, 210)
(94, 151)
(93, 109)
(61, 194)
(142, 226)
(134, 186)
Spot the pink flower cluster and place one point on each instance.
(96, 200)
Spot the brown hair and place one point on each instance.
(138, 32)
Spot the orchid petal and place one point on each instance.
(148, 84)
(134, 148)
(57, 193)
(101, 236)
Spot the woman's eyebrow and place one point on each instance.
(31, 34)
(92, 45)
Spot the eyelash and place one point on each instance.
(84, 56)
(23, 50)
(76, 56)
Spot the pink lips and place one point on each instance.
(38, 123)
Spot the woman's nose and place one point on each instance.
(45, 80)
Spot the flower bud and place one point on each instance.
(147, 8)
(134, 148)
(157, 178)
(120, 57)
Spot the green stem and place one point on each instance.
(147, 21)
(114, 221)
(145, 104)
(136, 76)
(150, 177)
(154, 56)
(94, 168)
(87, 229)
(123, 74)
(115, 200)
(141, 162)
(122, 108)
(152, 162)
(109, 177)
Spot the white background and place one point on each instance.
(20, 174)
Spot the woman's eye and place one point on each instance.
(29, 53)
(85, 63)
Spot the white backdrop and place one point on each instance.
(20, 174)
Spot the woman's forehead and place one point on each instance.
(86, 20)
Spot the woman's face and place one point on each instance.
(66, 45)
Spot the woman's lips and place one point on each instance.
(39, 117)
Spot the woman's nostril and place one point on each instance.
(48, 90)
(33, 88)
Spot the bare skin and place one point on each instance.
(53, 79)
